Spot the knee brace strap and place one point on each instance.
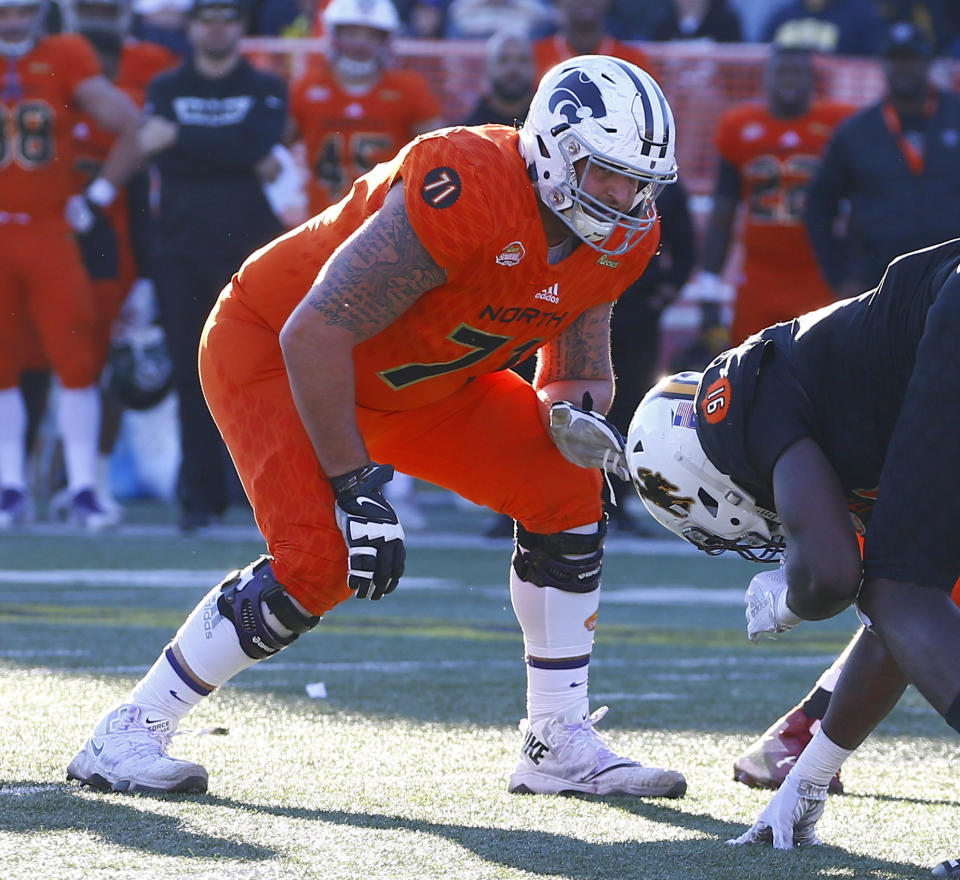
(544, 560)
(242, 591)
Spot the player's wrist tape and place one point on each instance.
(101, 192)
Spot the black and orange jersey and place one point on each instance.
(346, 134)
(838, 375)
(470, 201)
(37, 116)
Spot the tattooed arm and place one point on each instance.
(371, 279)
(578, 361)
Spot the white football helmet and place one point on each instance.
(17, 39)
(614, 115)
(362, 56)
(680, 486)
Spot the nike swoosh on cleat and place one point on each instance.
(95, 748)
(790, 760)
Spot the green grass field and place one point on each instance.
(400, 772)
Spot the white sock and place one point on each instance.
(13, 429)
(820, 760)
(558, 629)
(79, 422)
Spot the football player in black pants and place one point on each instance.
(843, 420)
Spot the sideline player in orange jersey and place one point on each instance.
(582, 31)
(130, 64)
(769, 151)
(46, 81)
(354, 111)
(381, 330)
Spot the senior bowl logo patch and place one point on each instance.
(512, 254)
(441, 187)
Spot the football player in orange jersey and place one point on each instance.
(382, 329)
(354, 110)
(582, 30)
(130, 64)
(45, 82)
(769, 151)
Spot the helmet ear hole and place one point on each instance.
(709, 502)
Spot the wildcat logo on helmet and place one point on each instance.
(661, 492)
(577, 97)
(512, 254)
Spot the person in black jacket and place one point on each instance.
(511, 80)
(212, 125)
(898, 164)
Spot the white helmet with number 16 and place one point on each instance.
(613, 115)
(682, 489)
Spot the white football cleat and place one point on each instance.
(84, 509)
(767, 611)
(127, 752)
(563, 755)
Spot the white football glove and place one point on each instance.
(708, 287)
(371, 531)
(766, 601)
(791, 817)
(587, 439)
(80, 214)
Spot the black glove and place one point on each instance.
(371, 531)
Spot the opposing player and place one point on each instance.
(768, 152)
(792, 443)
(356, 110)
(48, 80)
(380, 331)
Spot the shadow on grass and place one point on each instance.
(120, 822)
(118, 819)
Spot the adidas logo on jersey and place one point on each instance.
(550, 294)
(534, 749)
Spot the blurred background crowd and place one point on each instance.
(817, 140)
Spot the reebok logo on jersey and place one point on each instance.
(441, 187)
(534, 749)
(550, 294)
(512, 254)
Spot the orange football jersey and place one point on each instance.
(38, 115)
(139, 63)
(346, 134)
(776, 159)
(549, 51)
(469, 199)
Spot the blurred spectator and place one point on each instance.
(582, 30)
(843, 27)
(130, 64)
(635, 325)
(898, 164)
(480, 19)
(355, 110)
(768, 151)
(696, 20)
(510, 83)
(47, 81)
(285, 18)
(931, 17)
(163, 22)
(211, 127)
(425, 19)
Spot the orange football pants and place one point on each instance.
(43, 284)
(486, 442)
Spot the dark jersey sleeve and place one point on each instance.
(750, 408)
